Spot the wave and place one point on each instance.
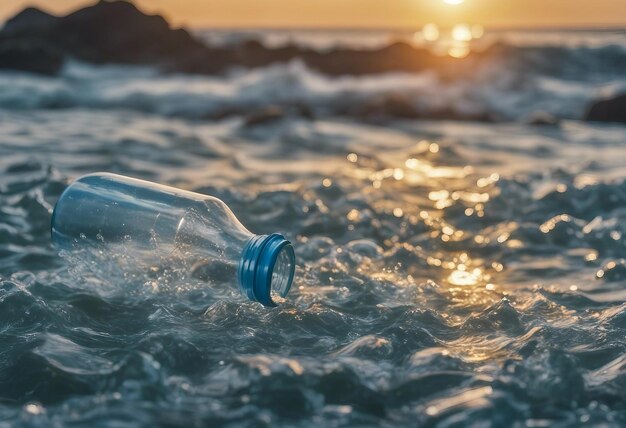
(508, 83)
(328, 39)
(464, 277)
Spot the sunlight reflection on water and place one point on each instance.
(456, 43)
(428, 252)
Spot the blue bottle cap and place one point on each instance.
(267, 262)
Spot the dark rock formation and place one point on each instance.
(611, 110)
(117, 32)
(29, 56)
(27, 20)
(107, 32)
(399, 56)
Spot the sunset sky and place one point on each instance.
(364, 13)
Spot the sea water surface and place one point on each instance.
(450, 273)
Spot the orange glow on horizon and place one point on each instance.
(362, 13)
(462, 33)
(430, 32)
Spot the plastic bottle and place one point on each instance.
(149, 224)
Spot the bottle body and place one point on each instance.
(151, 224)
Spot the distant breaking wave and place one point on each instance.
(514, 84)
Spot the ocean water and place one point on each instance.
(450, 273)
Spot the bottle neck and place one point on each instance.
(267, 264)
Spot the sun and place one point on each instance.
(453, 2)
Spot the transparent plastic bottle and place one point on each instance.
(151, 224)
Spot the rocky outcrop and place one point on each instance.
(399, 56)
(117, 32)
(30, 56)
(27, 20)
(610, 110)
(107, 32)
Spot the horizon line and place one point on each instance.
(586, 27)
(595, 26)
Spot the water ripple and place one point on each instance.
(438, 283)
